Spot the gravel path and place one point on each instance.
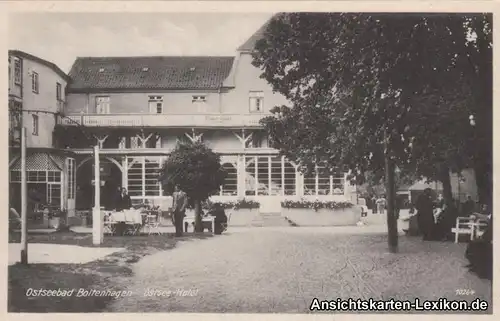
(283, 269)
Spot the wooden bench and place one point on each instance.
(190, 220)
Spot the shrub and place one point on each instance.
(316, 205)
(239, 204)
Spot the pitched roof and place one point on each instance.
(159, 72)
(46, 63)
(249, 45)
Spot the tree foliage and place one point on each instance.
(195, 168)
(358, 83)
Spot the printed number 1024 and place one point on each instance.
(464, 292)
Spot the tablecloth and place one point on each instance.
(128, 216)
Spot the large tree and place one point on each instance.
(358, 82)
(372, 91)
(197, 170)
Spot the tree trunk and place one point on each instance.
(483, 183)
(198, 224)
(392, 223)
(446, 181)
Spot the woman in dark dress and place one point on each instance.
(425, 214)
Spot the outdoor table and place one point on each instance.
(126, 218)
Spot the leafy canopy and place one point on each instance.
(358, 83)
(195, 168)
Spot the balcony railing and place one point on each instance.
(165, 120)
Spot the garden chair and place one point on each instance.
(464, 225)
(153, 224)
(109, 225)
(226, 225)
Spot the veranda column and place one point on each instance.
(125, 172)
(240, 175)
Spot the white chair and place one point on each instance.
(190, 220)
(109, 224)
(464, 225)
(226, 225)
(153, 224)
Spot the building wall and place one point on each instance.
(131, 103)
(44, 100)
(246, 78)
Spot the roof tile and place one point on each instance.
(164, 72)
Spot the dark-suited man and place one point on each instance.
(179, 204)
(123, 201)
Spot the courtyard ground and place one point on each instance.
(111, 272)
(282, 269)
(269, 269)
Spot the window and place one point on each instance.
(155, 104)
(17, 71)
(143, 176)
(256, 100)
(34, 82)
(35, 124)
(53, 176)
(59, 91)
(102, 105)
(199, 99)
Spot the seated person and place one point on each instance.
(479, 253)
(220, 217)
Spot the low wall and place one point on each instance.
(323, 217)
(243, 217)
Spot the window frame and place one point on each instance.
(199, 99)
(258, 97)
(155, 102)
(59, 91)
(35, 82)
(18, 71)
(35, 121)
(98, 104)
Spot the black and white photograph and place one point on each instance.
(250, 162)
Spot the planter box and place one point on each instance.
(323, 217)
(243, 216)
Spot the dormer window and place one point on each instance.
(199, 99)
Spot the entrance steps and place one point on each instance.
(270, 219)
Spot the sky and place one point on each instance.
(61, 37)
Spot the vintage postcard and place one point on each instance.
(249, 159)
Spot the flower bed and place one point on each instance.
(321, 213)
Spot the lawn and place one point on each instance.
(110, 273)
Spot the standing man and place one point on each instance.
(381, 203)
(179, 204)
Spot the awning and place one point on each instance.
(40, 162)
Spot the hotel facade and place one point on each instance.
(137, 109)
(36, 97)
